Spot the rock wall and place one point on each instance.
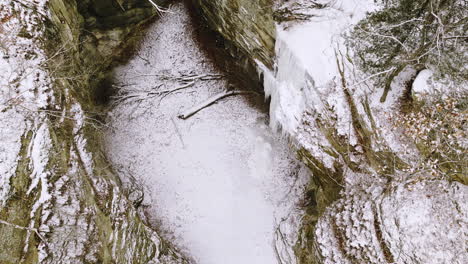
(246, 25)
(61, 202)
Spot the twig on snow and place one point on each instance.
(178, 133)
(141, 95)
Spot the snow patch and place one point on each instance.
(421, 83)
(12, 128)
(39, 155)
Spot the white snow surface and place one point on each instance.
(39, 154)
(420, 84)
(218, 183)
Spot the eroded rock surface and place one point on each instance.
(413, 222)
(247, 25)
(60, 201)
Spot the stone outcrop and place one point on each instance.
(247, 27)
(416, 221)
(61, 202)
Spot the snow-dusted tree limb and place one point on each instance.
(201, 77)
(24, 228)
(183, 77)
(185, 81)
(412, 34)
(370, 77)
(195, 109)
(141, 95)
(159, 9)
(386, 36)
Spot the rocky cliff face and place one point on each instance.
(60, 201)
(247, 27)
(380, 161)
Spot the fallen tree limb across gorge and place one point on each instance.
(196, 108)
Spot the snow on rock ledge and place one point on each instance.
(413, 222)
(60, 202)
(420, 84)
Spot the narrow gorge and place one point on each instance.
(219, 182)
(233, 131)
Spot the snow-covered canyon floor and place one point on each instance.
(219, 183)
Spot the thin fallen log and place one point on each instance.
(195, 109)
(183, 77)
(178, 133)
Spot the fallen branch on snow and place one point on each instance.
(184, 77)
(195, 109)
(186, 81)
(141, 95)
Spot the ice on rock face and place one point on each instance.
(306, 61)
(287, 89)
(305, 77)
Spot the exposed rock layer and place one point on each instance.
(61, 201)
(247, 25)
(413, 222)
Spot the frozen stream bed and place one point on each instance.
(217, 184)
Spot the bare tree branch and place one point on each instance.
(195, 109)
(24, 228)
